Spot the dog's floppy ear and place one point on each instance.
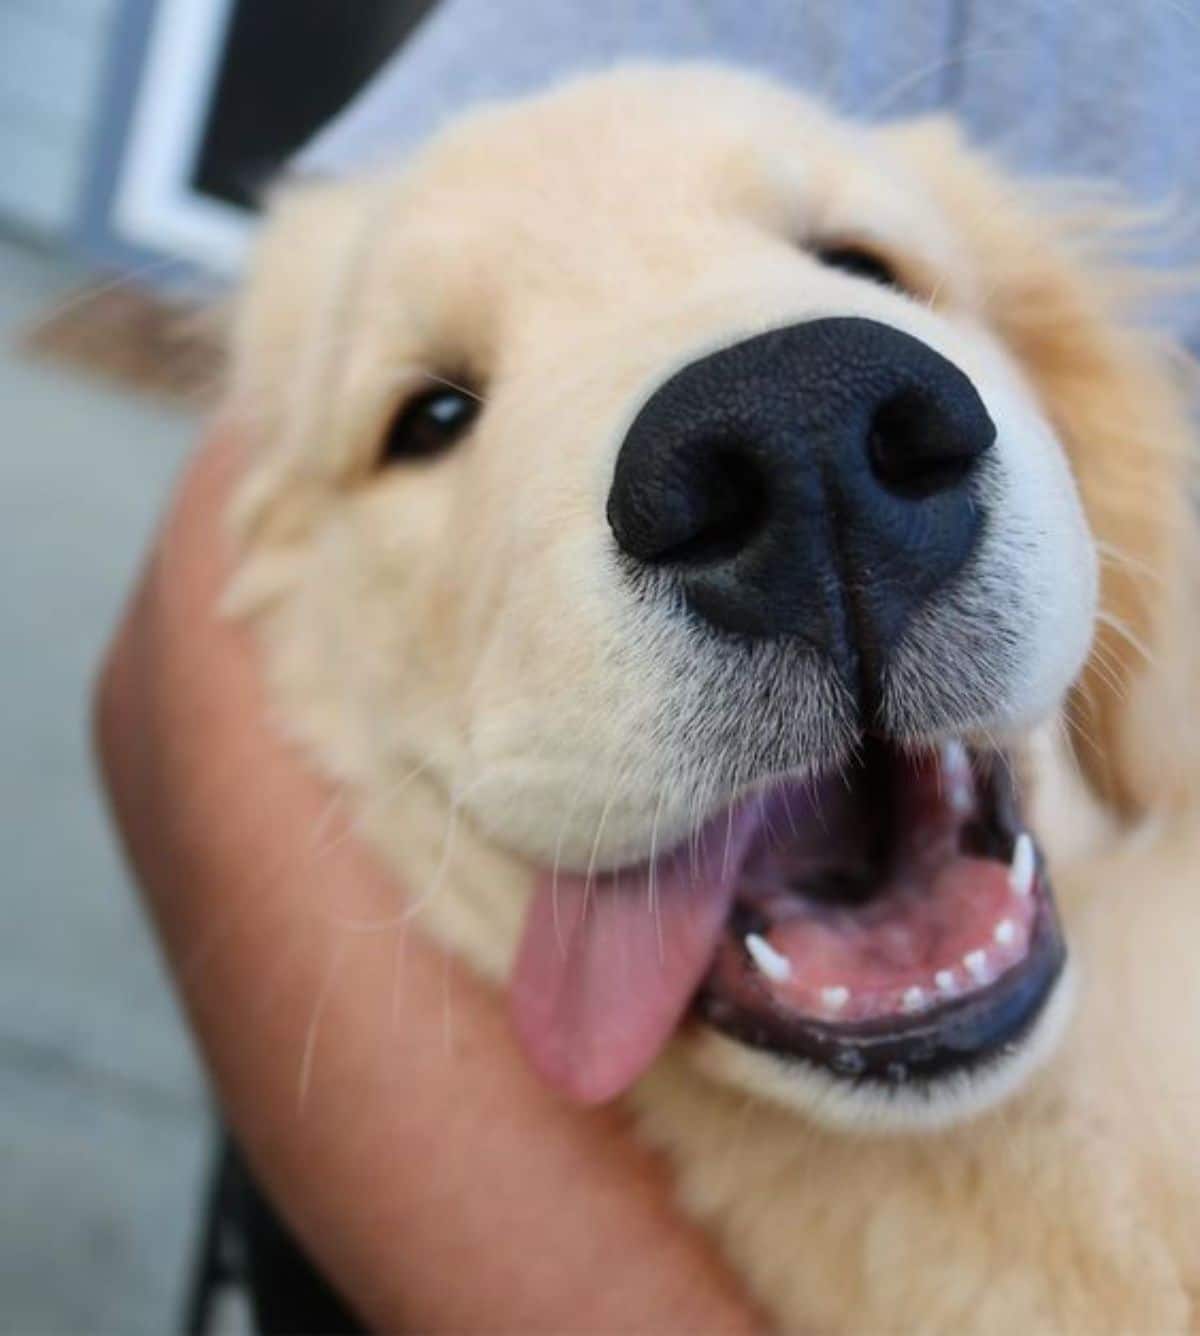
(290, 329)
(1116, 397)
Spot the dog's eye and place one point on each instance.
(859, 263)
(430, 424)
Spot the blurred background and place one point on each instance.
(136, 137)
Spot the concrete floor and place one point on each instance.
(103, 1120)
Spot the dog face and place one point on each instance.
(705, 497)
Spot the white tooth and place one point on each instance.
(914, 998)
(954, 757)
(1005, 932)
(956, 767)
(1023, 867)
(776, 967)
(834, 999)
(946, 982)
(977, 966)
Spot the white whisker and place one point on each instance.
(308, 1058)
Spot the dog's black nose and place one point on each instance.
(814, 482)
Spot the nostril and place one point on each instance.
(729, 503)
(918, 446)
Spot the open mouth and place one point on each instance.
(887, 923)
(890, 923)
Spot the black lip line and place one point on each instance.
(956, 1037)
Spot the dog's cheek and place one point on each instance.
(351, 647)
(1046, 567)
(1037, 564)
(407, 568)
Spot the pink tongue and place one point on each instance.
(603, 976)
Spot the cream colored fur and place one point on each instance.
(449, 640)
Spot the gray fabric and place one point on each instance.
(1077, 87)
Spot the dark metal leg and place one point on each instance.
(217, 1254)
(244, 1243)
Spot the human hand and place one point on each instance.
(372, 1082)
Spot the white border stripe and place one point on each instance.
(155, 203)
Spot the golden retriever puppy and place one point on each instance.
(739, 561)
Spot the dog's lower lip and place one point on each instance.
(949, 1038)
(971, 1009)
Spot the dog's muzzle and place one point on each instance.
(883, 917)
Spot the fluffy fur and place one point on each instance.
(450, 641)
